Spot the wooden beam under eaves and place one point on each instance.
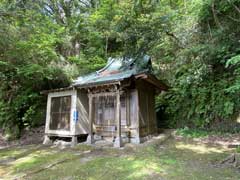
(153, 80)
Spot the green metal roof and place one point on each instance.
(117, 69)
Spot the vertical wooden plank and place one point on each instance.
(154, 117)
(46, 137)
(137, 138)
(133, 109)
(90, 139)
(128, 108)
(118, 140)
(48, 114)
(148, 111)
(73, 109)
(82, 126)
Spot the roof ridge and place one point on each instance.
(105, 67)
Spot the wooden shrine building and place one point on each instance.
(115, 103)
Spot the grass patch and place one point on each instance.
(192, 133)
(238, 149)
(29, 160)
(10, 153)
(175, 159)
(127, 167)
(37, 159)
(82, 147)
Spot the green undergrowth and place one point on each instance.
(172, 160)
(198, 133)
(193, 133)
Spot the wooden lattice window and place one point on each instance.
(105, 110)
(60, 113)
(105, 107)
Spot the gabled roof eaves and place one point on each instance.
(117, 69)
(103, 80)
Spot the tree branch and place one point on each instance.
(238, 10)
(236, 20)
(215, 16)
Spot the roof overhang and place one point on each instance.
(152, 80)
(122, 82)
(159, 85)
(90, 85)
(57, 90)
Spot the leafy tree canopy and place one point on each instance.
(194, 46)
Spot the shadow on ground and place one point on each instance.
(173, 159)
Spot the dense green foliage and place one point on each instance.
(194, 46)
(205, 77)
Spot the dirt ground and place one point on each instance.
(35, 136)
(32, 136)
(165, 157)
(227, 140)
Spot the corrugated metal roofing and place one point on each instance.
(117, 69)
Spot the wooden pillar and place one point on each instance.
(47, 140)
(74, 141)
(73, 120)
(137, 139)
(128, 107)
(90, 139)
(118, 140)
(127, 100)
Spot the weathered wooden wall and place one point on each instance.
(138, 114)
(133, 114)
(82, 125)
(147, 115)
(104, 114)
